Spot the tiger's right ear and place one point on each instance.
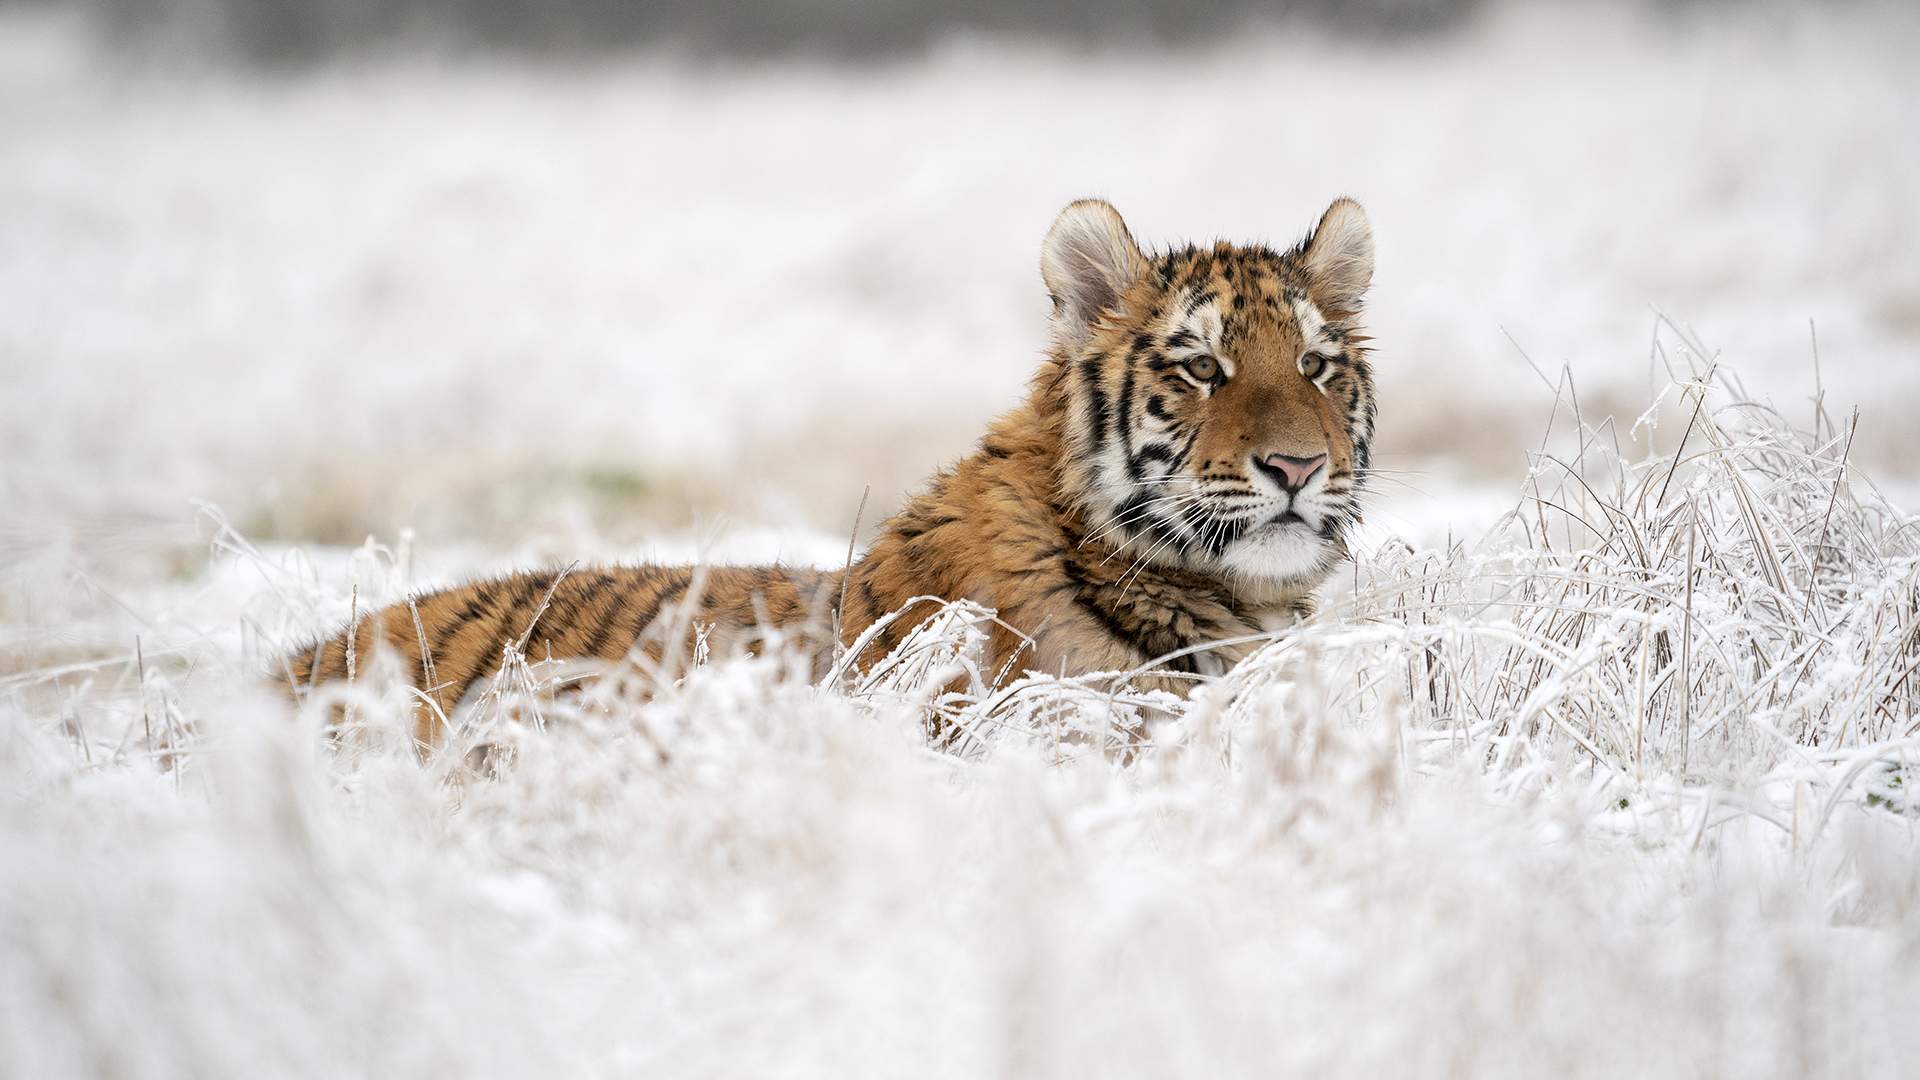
(1339, 256)
(1088, 261)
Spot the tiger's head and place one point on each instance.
(1219, 406)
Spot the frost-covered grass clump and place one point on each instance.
(1622, 788)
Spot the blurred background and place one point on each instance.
(545, 280)
(569, 276)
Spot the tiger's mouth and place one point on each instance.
(1285, 546)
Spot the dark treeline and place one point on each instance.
(302, 31)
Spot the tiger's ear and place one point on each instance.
(1088, 261)
(1339, 256)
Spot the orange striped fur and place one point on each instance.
(1183, 472)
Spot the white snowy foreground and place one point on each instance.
(1620, 785)
(1625, 788)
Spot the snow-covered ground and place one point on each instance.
(1523, 804)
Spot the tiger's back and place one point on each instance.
(450, 640)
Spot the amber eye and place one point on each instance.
(1313, 365)
(1204, 368)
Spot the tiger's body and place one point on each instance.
(1182, 474)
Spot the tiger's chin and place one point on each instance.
(1285, 552)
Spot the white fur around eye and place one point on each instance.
(1221, 375)
(1318, 369)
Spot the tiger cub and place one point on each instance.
(1184, 471)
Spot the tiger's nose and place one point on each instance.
(1292, 473)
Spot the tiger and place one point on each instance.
(1185, 470)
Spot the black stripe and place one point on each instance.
(535, 591)
(1086, 598)
(1159, 531)
(1102, 414)
(1113, 626)
(603, 627)
(1224, 535)
(668, 595)
(562, 610)
(495, 603)
(1186, 451)
(1154, 452)
(1129, 517)
(475, 607)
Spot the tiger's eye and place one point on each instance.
(1313, 365)
(1204, 368)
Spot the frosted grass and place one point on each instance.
(1622, 787)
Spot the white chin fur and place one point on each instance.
(1277, 552)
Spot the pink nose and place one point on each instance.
(1291, 472)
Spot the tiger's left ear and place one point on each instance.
(1339, 256)
(1089, 261)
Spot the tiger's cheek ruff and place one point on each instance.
(1126, 449)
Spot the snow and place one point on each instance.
(493, 314)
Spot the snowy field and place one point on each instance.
(1618, 785)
